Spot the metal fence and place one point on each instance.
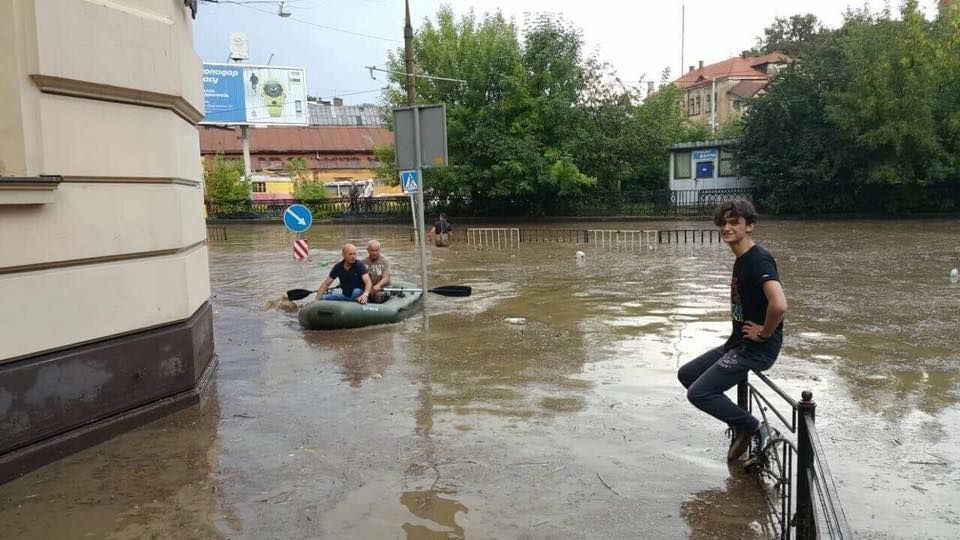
(628, 203)
(804, 495)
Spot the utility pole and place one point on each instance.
(408, 57)
(416, 203)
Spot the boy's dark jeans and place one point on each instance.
(708, 376)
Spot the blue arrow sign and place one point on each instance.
(409, 181)
(297, 218)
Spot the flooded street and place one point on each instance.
(570, 426)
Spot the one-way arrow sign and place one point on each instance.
(297, 218)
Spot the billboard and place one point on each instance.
(248, 94)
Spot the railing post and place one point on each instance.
(742, 396)
(806, 529)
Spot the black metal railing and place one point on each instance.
(628, 203)
(804, 501)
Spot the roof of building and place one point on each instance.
(771, 58)
(712, 143)
(747, 89)
(323, 139)
(324, 114)
(738, 67)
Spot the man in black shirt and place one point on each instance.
(757, 305)
(441, 231)
(353, 275)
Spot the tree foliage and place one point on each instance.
(792, 36)
(537, 118)
(224, 180)
(866, 121)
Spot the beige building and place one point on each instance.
(728, 85)
(105, 321)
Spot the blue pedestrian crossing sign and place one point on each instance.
(297, 218)
(410, 181)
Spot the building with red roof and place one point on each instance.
(729, 84)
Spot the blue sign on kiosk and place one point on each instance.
(297, 218)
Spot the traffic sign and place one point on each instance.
(409, 181)
(300, 250)
(297, 218)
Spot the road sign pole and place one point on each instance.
(245, 135)
(420, 217)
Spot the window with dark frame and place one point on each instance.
(259, 187)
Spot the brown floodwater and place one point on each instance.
(570, 426)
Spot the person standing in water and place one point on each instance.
(757, 306)
(441, 231)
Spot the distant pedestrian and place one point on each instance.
(367, 195)
(757, 305)
(441, 231)
(354, 197)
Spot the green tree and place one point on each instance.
(307, 189)
(387, 171)
(867, 121)
(224, 180)
(793, 36)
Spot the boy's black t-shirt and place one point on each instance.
(349, 279)
(747, 300)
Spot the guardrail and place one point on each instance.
(627, 203)
(796, 471)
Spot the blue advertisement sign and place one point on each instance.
(223, 96)
(705, 154)
(255, 95)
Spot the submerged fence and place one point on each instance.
(805, 501)
(629, 203)
(511, 238)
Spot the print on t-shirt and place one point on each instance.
(736, 306)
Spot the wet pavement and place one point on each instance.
(570, 426)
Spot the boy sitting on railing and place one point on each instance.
(757, 305)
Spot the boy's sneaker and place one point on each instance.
(758, 441)
(738, 444)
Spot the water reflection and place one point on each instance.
(737, 511)
(360, 354)
(430, 505)
(130, 487)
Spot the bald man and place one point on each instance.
(354, 279)
(379, 268)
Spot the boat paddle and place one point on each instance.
(448, 290)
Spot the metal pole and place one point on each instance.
(808, 409)
(683, 25)
(245, 135)
(416, 228)
(713, 105)
(421, 210)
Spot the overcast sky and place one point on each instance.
(638, 37)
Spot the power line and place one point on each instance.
(323, 26)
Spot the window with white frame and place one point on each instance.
(681, 165)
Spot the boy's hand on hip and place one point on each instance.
(751, 331)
